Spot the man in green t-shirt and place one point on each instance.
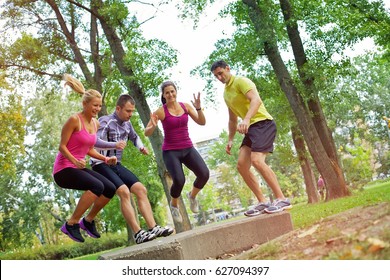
(259, 128)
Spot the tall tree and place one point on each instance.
(327, 166)
(104, 11)
(267, 24)
(139, 62)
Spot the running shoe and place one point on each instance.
(194, 205)
(176, 214)
(89, 227)
(143, 236)
(161, 231)
(258, 210)
(73, 231)
(278, 206)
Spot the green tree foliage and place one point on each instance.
(43, 40)
(358, 163)
(229, 186)
(208, 200)
(29, 202)
(356, 99)
(114, 36)
(12, 136)
(330, 28)
(233, 189)
(12, 131)
(333, 25)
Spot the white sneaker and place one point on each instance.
(161, 231)
(278, 206)
(176, 214)
(194, 205)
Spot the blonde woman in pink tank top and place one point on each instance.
(78, 138)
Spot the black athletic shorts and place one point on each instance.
(261, 136)
(117, 174)
(84, 180)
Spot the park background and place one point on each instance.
(343, 71)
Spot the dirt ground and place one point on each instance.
(360, 233)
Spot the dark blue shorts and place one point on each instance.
(117, 174)
(261, 136)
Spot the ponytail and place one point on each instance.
(78, 87)
(75, 84)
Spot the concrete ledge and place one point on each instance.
(209, 241)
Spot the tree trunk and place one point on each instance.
(96, 79)
(307, 171)
(307, 79)
(71, 42)
(142, 107)
(326, 166)
(130, 232)
(95, 54)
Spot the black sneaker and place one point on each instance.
(161, 231)
(73, 231)
(89, 227)
(144, 236)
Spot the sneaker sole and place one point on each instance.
(163, 234)
(273, 212)
(166, 233)
(147, 240)
(153, 238)
(279, 210)
(64, 230)
(82, 226)
(254, 214)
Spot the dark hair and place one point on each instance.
(123, 99)
(219, 63)
(163, 86)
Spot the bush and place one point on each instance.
(70, 249)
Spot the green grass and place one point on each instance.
(69, 249)
(95, 256)
(304, 214)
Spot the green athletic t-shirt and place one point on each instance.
(237, 101)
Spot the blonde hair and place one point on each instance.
(78, 87)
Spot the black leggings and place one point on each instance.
(85, 180)
(190, 157)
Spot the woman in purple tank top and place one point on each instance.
(177, 146)
(78, 138)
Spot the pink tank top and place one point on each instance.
(176, 136)
(80, 142)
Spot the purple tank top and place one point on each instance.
(80, 142)
(176, 136)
